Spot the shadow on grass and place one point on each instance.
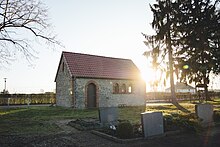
(36, 120)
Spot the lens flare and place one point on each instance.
(185, 66)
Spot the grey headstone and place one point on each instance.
(108, 115)
(152, 124)
(205, 113)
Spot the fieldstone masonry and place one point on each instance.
(63, 88)
(71, 90)
(105, 94)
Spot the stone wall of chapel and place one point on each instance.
(63, 87)
(106, 97)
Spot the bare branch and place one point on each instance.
(27, 16)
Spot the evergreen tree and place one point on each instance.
(163, 24)
(199, 40)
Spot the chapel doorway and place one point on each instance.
(91, 95)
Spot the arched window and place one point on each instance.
(130, 88)
(116, 88)
(123, 88)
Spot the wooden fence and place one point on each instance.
(50, 98)
(27, 99)
(166, 97)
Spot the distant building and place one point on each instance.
(182, 88)
(215, 90)
(88, 81)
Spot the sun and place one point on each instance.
(149, 77)
(147, 73)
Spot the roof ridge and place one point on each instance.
(97, 55)
(87, 65)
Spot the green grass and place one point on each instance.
(133, 114)
(45, 113)
(37, 119)
(34, 120)
(169, 109)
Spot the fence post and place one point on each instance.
(190, 97)
(28, 101)
(8, 102)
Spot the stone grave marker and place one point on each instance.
(205, 113)
(152, 124)
(108, 115)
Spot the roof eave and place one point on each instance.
(62, 57)
(110, 78)
(58, 67)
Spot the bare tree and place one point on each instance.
(21, 21)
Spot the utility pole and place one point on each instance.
(5, 84)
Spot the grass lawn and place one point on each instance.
(39, 120)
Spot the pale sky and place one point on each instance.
(100, 27)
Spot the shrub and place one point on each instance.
(216, 116)
(178, 122)
(124, 130)
(169, 124)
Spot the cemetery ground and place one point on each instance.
(48, 126)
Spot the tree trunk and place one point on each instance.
(207, 98)
(172, 87)
(170, 56)
(173, 94)
(205, 80)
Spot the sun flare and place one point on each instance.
(149, 75)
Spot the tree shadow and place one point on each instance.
(179, 107)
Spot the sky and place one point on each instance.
(109, 28)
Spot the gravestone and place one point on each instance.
(152, 124)
(108, 115)
(205, 113)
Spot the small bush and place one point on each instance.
(178, 122)
(169, 124)
(124, 130)
(216, 116)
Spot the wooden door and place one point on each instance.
(91, 95)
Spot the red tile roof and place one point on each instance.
(92, 66)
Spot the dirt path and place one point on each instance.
(63, 125)
(69, 136)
